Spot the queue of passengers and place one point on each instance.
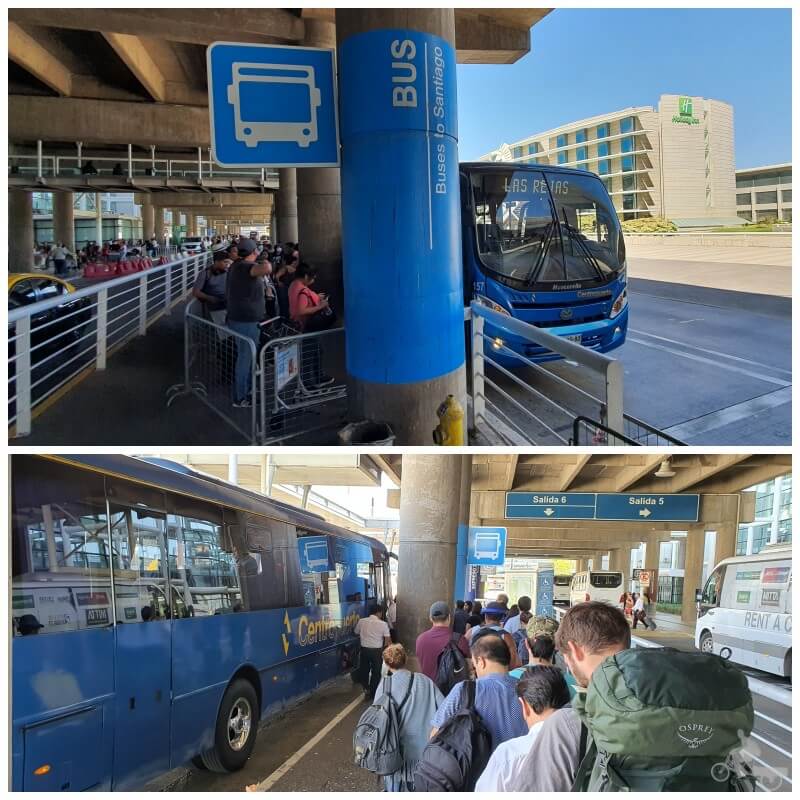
(250, 282)
(580, 711)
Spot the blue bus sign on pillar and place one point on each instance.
(272, 105)
(486, 546)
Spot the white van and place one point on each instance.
(744, 611)
(595, 585)
(561, 585)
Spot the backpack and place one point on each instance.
(652, 730)
(451, 668)
(457, 755)
(376, 739)
(542, 626)
(520, 636)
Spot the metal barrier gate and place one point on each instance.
(290, 393)
(52, 344)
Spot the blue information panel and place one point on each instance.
(401, 217)
(549, 505)
(486, 546)
(649, 507)
(544, 593)
(314, 554)
(272, 106)
(584, 505)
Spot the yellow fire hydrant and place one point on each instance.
(450, 430)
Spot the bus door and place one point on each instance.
(143, 646)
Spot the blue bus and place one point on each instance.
(158, 614)
(543, 245)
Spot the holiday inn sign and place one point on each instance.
(685, 115)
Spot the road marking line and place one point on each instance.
(709, 351)
(290, 762)
(692, 357)
(773, 721)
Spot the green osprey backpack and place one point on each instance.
(665, 720)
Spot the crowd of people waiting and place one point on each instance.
(499, 699)
(251, 283)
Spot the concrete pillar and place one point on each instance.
(286, 201)
(582, 565)
(148, 217)
(319, 198)
(98, 205)
(620, 561)
(692, 571)
(430, 504)
(64, 219)
(465, 497)
(20, 231)
(191, 224)
(652, 552)
(597, 561)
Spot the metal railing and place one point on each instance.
(518, 418)
(281, 377)
(588, 432)
(53, 342)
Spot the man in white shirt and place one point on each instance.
(513, 624)
(541, 692)
(374, 634)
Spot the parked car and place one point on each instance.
(192, 245)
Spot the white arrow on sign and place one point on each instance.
(549, 512)
(645, 512)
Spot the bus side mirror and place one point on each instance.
(698, 595)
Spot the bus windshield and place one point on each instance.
(535, 227)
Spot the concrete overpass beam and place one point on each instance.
(20, 231)
(430, 508)
(24, 50)
(134, 54)
(480, 40)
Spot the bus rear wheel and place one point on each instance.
(235, 731)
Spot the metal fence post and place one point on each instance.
(183, 269)
(614, 393)
(478, 398)
(23, 375)
(167, 288)
(143, 304)
(102, 327)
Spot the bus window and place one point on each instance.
(515, 228)
(61, 556)
(140, 564)
(589, 241)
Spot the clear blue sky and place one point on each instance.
(586, 62)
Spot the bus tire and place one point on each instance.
(706, 642)
(235, 730)
(788, 668)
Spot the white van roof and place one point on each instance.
(769, 553)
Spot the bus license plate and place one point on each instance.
(575, 337)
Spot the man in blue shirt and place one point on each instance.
(495, 692)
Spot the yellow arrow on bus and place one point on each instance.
(284, 637)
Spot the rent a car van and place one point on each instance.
(744, 611)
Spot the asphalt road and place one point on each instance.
(707, 366)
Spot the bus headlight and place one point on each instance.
(619, 304)
(485, 301)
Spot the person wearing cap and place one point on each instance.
(28, 625)
(246, 304)
(431, 643)
(493, 614)
(210, 286)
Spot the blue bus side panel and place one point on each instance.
(55, 675)
(401, 206)
(293, 650)
(141, 734)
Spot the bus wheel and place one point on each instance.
(706, 642)
(235, 732)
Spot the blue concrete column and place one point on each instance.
(401, 237)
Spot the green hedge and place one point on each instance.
(669, 608)
(649, 225)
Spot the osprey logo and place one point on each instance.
(694, 734)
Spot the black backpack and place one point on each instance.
(456, 756)
(451, 668)
(376, 739)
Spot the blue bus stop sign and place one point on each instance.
(272, 106)
(486, 546)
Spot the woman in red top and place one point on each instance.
(308, 309)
